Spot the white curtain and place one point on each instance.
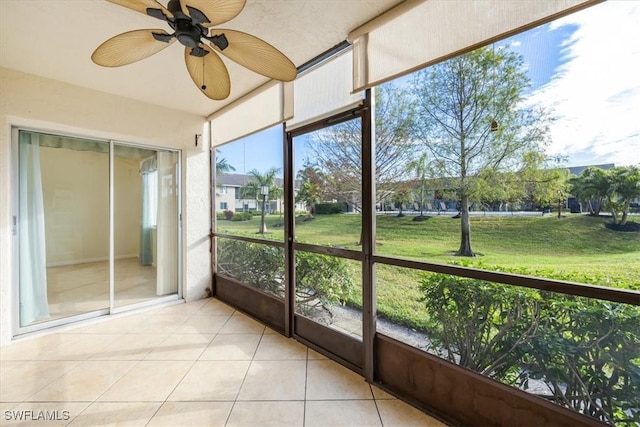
(148, 211)
(33, 262)
(167, 225)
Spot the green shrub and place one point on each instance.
(321, 279)
(586, 351)
(220, 215)
(242, 216)
(329, 208)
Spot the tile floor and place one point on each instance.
(195, 364)
(81, 288)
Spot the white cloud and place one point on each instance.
(595, 95)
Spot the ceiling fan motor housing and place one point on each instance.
(187, 33)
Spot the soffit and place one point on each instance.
(55, 38)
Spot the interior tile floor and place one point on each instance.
(197, 364)
(81, 288)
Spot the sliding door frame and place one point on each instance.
(17, 329)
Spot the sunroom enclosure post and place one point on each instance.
(289, 224)
(368, 233)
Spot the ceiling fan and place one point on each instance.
(190, 21)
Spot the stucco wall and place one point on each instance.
(48, 105)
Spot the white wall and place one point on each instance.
(75, 187)
(48, 105)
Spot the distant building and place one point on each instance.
(228, 195)
(577, 170)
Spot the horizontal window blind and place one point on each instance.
(418, 33)
(266, 106)
(324, 90)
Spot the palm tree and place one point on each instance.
(422, 168)
(253, 190)
(222, 165)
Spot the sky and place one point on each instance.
(584, 68)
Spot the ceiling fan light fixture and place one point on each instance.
(190, 20)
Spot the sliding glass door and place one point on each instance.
(145, 224)
(63, 226)
(77, 259)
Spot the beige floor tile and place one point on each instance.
(380, 394)
(216, 308)
(180, 347)
(327, 380)
(43, 413)
(232, 347)
(242, 324)
(398, 413)
(30, 377)
(84, 383)
(7, 365)
(121, 414)
(117, 324)
(202, 324)
(274, 380)
(7, 406)
(278, 347)
(148, 381)
(78, 347)
(211, 380)
(130, 347)
(338, 413)
(210, 414)
(267, 414)
(28, 348)
(181, 308)
(314, 355)
(158, 324)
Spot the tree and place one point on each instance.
(401, 197)
(338, 150)
(625, 187)
(542, 182)
(473, 121)
(252, 190)
(614, 188)
(591, 186)
(309, 192)
(222, 165)
(423, 171)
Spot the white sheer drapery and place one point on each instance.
(148, 212)
(33, 261)
(167, 224)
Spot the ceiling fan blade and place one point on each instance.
(216, 11)
(142, 6)
(256, 55)
(208, 72)
(130, 47)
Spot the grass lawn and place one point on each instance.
(576, 245)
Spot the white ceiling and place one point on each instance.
(55, 39)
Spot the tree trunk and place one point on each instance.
(625, 212)
(465, 229)
(612, 208)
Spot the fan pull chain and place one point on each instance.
(204, 86)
